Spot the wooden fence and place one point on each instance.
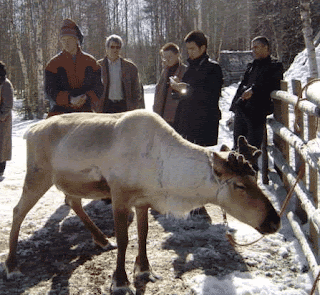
(295, 146)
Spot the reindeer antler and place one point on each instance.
(239, 164)
(251, 153)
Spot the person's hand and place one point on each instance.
(78, 101)
(177, 85)
(247, 94)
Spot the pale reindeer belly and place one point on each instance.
(87, 183)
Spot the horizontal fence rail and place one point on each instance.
(302, 140)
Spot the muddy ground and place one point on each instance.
(56, 254)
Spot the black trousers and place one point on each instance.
(2, 166)
(252, 130)
(115, 107)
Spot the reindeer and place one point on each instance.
(136, 159)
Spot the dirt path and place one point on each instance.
(57, 256)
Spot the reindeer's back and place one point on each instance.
(69, 135)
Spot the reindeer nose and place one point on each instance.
(271, 224)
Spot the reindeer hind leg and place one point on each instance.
(36, 184)
(99, 237)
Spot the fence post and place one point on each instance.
(265, 165)
(313, 181)
(281, 114)
(299, 130)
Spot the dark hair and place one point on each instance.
(263, 40)
(197, 37)
(3, 71)
(170, 47)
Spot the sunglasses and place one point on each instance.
(115, 47)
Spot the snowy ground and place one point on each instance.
(266, 278)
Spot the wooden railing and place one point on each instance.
(295, 147)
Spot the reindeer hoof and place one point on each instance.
(142, 279)
(125, 290)
(11, 272)
(110, 246)
(105, 245)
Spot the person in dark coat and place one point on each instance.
(6, 104)
(166, 99)
(198, 114)
(252, 102)
(73, 77)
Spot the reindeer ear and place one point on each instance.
(219, 161)
(224, 148)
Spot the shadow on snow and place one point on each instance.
(55, 251)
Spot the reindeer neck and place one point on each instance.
(187, 170)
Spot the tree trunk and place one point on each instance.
(307, 33)
(52, 32)
(24, 68)
(28, 113)
(40, 63)
(200, 15)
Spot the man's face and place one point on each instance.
(259, 50)
(194, 51)
(69, 44)
(169, 58)
(113, 50)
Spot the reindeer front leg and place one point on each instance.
(120, 282)
(142, 271)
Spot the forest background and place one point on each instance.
(29, 32)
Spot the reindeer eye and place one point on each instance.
(239, 186)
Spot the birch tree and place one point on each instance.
(308, 38)
(39, 60)
(17, 37)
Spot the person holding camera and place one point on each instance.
(198, 113)
(166, 99)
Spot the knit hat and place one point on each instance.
(69, 28)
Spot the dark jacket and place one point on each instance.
(165, 104)
(131, 86)
(65, 77)
(198, 110)
(6, 104)
(263, 76)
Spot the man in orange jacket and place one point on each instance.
(73, 77)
